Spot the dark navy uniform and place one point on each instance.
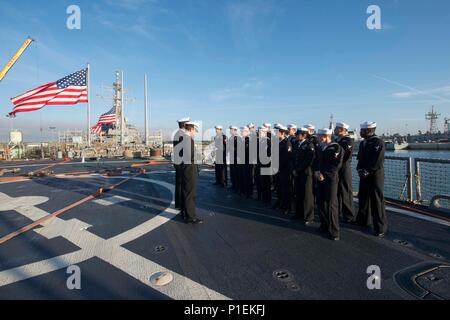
(284, 173)
(178, 138)
(221, 166)
(371, 187)
(265, 191)
(315, 166)
(234, 167)
(330, 162)
(315, 142)
(245, 169)
(304, 154)
(345, 190)
(190, 177)
(294, 142)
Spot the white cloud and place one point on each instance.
(442, 91)
(249, 89)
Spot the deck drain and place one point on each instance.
(402, 242)
(160, 248)
(432, 278)
(436, 255)
(161, 278)
(282, 275)
(293, 286)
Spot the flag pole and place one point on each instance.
(122, 120)
(89, 105)
(145, 109)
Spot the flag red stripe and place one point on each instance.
(54, 101)
(22, 97)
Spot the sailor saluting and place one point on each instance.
(177, 159)
(190, 174)
(371, 172)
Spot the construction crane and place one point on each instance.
(15, 57)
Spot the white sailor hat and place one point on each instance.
(342, 125)
(218, 127)
(263, 129)
(183, 120)
(368, 125)
(310, 126)
(192, 124)
(325, 131)
(292, 126)
(277, 125)
(267, 125)
(244, 128)
(281, 127)
(302, 130)
(233, 128)
(251, 125)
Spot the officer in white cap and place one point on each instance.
(345, 190)
(304, 155)
(220, 163)
(190, 176)
(177, 160)
(282, 178)
(331, 155)
(371, 187)
(232, 150)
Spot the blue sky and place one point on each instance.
(233, 62)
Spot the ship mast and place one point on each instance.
(433, 117)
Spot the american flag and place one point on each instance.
(106, 118)
(68, 90)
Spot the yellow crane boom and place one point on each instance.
(15, 57)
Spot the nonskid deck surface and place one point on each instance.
(243, 250)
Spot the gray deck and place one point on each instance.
(232, 255)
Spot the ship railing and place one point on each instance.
(416, 180)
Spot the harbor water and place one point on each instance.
(413, 175)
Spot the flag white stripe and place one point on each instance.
(56, 100)
(42, 97)
(29, 93)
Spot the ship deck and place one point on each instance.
(243, 250)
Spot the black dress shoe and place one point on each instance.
(380, 235)
(307, 223)
(195, 221)
(335, 238)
